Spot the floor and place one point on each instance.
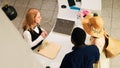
(49, 9)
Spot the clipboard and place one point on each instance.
(49, 49)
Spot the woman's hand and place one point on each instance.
(44, 34)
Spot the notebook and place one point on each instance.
(49, 49)
(64, 26)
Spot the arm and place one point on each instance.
(27, 37)
(94, 53)
(97, 55)
(44, 33)
(99, 42)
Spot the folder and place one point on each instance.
(49, 49)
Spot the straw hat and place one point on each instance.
(93, 25)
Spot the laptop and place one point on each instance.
(64, 26)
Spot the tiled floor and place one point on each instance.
(49, 9)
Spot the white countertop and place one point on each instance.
(14, 49)
(62, 39)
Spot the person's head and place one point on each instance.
(78, 36)
(32, 18)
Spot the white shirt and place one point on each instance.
(28, 38)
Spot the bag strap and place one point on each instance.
(106, 39)
(106, 34)
(106, 42)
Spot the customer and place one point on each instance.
(93, 25)
(33, 33)
(82, 56)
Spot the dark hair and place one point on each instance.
(78, 36)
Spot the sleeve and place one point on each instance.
(66, 62)
(99, 42)
(96, 53)
(92, 52)
(27, 37)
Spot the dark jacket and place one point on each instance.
(81, 57)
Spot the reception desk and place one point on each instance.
(15, 53)
(59, 38)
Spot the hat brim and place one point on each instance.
(90, 31)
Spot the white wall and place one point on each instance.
(93, 4)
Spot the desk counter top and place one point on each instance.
(62, 39)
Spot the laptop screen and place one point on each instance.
(64, 26)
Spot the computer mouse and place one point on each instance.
(63, 6)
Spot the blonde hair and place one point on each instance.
(30, 19)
